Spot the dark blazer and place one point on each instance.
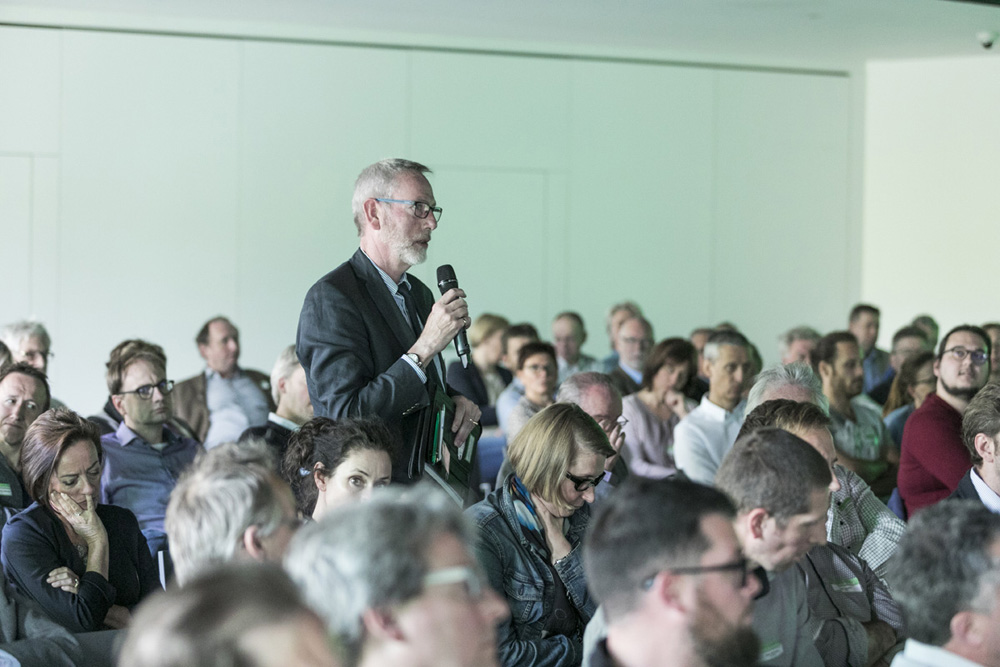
(965, 490)
(351, 341)
(468, 381)
(190, 400)
(623, 383)
(35, 543)
(274, 434)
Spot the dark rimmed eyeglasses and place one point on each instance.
(421, 209)
(978, 357)
(741, 565)
(581, 484)
(146, 391)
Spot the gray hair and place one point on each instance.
(285, 365)
(798, 374)
(631, 306)
(786, 339)
(16, 332)
(724, 337)
(377, 180)
(943, 566)
(573, 388)
(371, 555)
(225, 491)
(206, 623)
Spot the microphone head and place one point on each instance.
(446, 278)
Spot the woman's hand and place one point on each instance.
(559, 546)
(675, 400)
(83, 520)
(64, 578)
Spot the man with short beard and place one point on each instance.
(24, 394)
(681, 594)
(934, 458)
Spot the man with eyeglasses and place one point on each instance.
(934, 458)
(680, 594)
(907, 342)
(24, 394)
(29, 343)
(633, 341)
(397, 583)
(370, 334)
(144, 456)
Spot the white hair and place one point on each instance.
(798, 374)
(376, 180)
(16, 332)
(285, 365)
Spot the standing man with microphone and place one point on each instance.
(369, 334)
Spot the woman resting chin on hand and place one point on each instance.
(86, 564)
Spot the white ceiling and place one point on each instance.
(796, 33)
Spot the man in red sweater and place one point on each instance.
(933, 458)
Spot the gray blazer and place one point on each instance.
(351, 340)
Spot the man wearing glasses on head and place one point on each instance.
(370, 334)
(144, 456)
(934, 459)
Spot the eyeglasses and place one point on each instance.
(145, 392)
(741, 566)
(469, 577)
(978, 357)
(581, 484)
(421, 209)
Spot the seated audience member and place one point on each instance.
(912, 384)
(30, 638)
(680, 594)
(396, 582)
(699, 385)
(633, 343)
(5, 355)
(514, 338)
(291, 396)
(780, 487)
(536, 369)
(929, 326)
(86, 565)
(29, 343)
(856, 520)
(530, 534)
(934, 459)
(945, 579)
(484, 379)
(143, 457)
(863, 444)
(224, 400)
(24, 394)
(568, 337)
(332, 463)
(617, 314)
(794, 382)
(981, 436)
(797, 344)
(702, 439)
(863, 323)
(230, 505)
(906, 343)
(992, 330)
(654, 411)
(250, 615)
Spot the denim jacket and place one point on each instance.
(518, 570)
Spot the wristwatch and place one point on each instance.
(415, 358)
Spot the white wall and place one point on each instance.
(148, 182)
(932, 201)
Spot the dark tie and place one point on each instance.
(430, 365)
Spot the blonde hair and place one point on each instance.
(485, 326)
(543, 451)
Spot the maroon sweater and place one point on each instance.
(933, 458)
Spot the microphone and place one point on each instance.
(447, 281)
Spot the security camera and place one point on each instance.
(987, 38)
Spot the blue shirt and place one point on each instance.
(139, 478)
(877, 368)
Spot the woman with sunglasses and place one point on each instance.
(531, 532)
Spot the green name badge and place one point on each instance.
(5, 490)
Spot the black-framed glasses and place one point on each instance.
(421, 209)
(741, 565)
(581, 484)
(978, 357)
(146, 391)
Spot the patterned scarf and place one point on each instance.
(527, 517)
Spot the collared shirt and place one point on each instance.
(704, 437)
(393, 288)
(986, 494)
(877, 368)
(866, 437)
(281, 421)
(918, 654)
(861, 523)
(631, 372)
(139, 478)
(234, 404)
